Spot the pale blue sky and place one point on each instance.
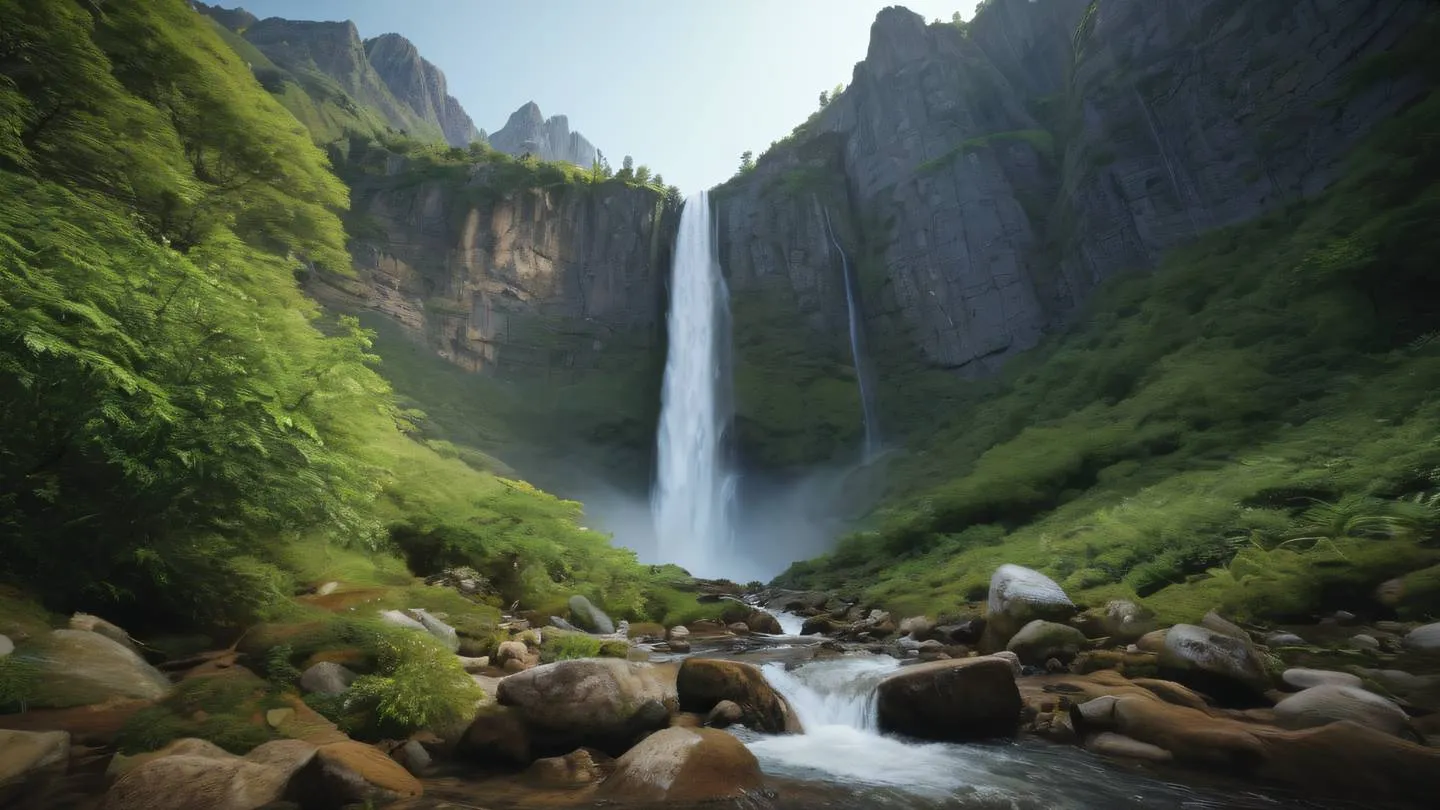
(683, 85)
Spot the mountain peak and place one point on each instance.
(528, 131)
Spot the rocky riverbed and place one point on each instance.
(797, 699)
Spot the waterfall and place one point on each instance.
(857, 347)
(841, 693)
(693, 490)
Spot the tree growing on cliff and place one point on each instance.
(747, 161)
(642, 174)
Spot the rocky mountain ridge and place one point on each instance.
(384, 73)
(529, 132)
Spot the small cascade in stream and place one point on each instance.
(857, 347)
(693, 490)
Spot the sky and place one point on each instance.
(685, 86)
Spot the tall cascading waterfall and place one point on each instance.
(693, 488)
(863, 377)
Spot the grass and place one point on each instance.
(1038, 139)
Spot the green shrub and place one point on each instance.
(565, 646)
(420, 684)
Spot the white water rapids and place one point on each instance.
(842, 748)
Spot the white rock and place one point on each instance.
(6, 646)
(438, 629)
(327, 589)
(1302, 678)
(399, 619)
(1326, 704)
(1425, 638)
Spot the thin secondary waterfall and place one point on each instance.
(690, 502)
(857, 347)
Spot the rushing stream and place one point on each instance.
(842, 748)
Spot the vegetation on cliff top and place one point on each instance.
(1252, 427)
(186, 432)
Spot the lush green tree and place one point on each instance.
(642, 174)
(747, 161)
(824, 99)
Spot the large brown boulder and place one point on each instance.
(81, 668)
(191, 774)
(965, 699)
(1017, 597)
(599, 703)
(1337, 760)
(683, 765)
(352, 773)
(705, 682)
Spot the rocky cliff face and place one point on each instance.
(553, 297)
(420, 85)
(989, 176)
(529, 132)
(386, 73)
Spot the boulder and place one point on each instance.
(1220, 665)
(969, 631)
(350, 772)
(1284, 640)
(1301, 678)
(1120, 620)
(81, 668)
(30, 757)
(560, 624)
(413, 757)
(1338, 760)
(1008, 657)
(438, 629)
(589, 618)
(1331, 703)
(818, 625)
(510, 651)
(957, 700)
(1108, 743)
(578, 768)
(738, 628)
(1017, 597)
(602, 703)
(678, 631)
(1364, 641)
(725, 714)
(6, 646)
(400, 619)
(326, 678)
(496, 735)
(1424, 639)
(683, 765)
(917, 627)
(1039, 641)
(762, 622)
(1153, 641)
(327, 589)
(679, 645)
(474, 665)
(705, 682)
(190, 774)
(95, 624)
